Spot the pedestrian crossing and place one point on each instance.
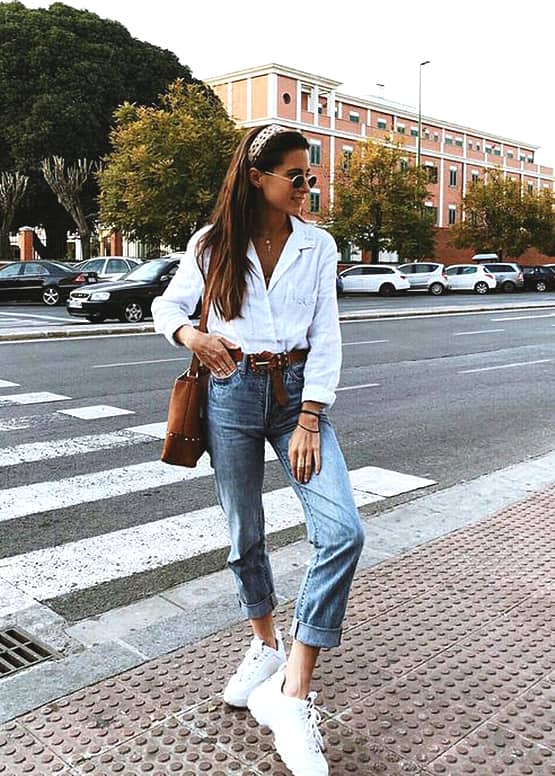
(81, 556)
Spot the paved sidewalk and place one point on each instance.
(447, 667)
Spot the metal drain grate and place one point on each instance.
(18, 650)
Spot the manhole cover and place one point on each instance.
(19, 650)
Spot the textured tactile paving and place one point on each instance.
(21, 753)
(167, 749)
(532, 714)
(495, 751)
(446, 667)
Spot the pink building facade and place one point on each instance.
(334, 122)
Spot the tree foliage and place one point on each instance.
(161, 180)
(379, 203)
(63, 72)
(12, 189)
(499, 217)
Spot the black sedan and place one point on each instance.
(539, 278)
(49, 281)
(128, 299)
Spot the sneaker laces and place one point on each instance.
(313, 719)
(253, 653)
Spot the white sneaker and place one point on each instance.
(295, 726)
(260, 662)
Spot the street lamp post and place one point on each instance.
(419, 138)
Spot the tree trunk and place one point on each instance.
(5, 247)
(375, 249)
(56, 242)
(85, 239)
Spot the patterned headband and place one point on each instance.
(257, 145)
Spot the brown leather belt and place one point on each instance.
(273, 364)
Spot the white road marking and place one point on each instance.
(7, 384)
(34, 315)
(96, 411)
(484, 331)
(354, 387)
(32, 398)
(505, 366)
(386, 482)
(28, 421)
(523, 317)
(59, 448)
(138, 363)
(75, 566)
(157, 430)
(365, 342)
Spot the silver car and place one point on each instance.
(509, 276)
(427, 276)
(109, 267)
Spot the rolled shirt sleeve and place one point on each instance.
(178, 302)
(323, 363)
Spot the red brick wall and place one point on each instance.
(447, 254)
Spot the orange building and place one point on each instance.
(333, 122)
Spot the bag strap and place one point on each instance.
(195, 361)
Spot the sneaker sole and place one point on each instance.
(238, 703)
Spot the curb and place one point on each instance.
(360, 315)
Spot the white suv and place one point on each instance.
(371, 278)
(470, 277)
(426, 275)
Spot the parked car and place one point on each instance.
(509, 276)
(426, 275)
(539, 278)
(470, 277)
(371, 279)
(128, 299)
(108, 267)
(49, 281)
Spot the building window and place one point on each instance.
(431, 211)
(414, 132)
(286, 97)
(459, 141)
(404, 165)
(487, 149)
(477, 146)
(452, 215)
(382, 124)
(354, 117)
(448, 140)
(436, 137)
(530, 159)
(475, 176)
(426, 134)
(314, 201)
(452, 176)
(510, 155)
(431, 172)
(522, 158)
(470, 145)
(346, 160)
(497, 152)
(530, 188)
(400, 129)
(315, 153)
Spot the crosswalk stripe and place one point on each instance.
(37, 397)
(97, 486)
(95, 411)
(8, 384)
(69, 568)
(59, 448)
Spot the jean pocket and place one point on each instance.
(296, 371)
(215, 380)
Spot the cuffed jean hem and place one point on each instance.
(315, 637)
(255, 611)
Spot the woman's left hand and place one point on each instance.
(304, 450)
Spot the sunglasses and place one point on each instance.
(297, 181)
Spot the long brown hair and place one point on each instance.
(234, 217)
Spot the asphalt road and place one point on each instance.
(446, 397)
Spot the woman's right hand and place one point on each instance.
(211, 349)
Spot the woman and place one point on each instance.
(273, 348)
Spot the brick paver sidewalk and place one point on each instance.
(447, 667)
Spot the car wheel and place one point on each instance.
(541, 285)
(437, 289)
(387, 289)
(132, 312)
(481, 287)
(96, 318)
(508, 287)
(51, 296)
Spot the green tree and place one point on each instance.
(63, 72)
(498, 217)
(379, 203)
(543, 222)
(12, 189)
(161, 180)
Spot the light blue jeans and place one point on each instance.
(241, 414)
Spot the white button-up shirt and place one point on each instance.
(298, 309)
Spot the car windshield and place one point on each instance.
(148, 271)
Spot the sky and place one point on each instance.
(491, 61)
